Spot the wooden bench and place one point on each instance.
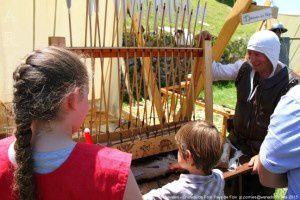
(234, 180)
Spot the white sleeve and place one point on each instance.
(226, 72)
(168, 191)
(280, 150)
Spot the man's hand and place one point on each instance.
(254, 163)
(204, 35)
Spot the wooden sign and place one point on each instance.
(259, 15)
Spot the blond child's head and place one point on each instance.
(200, 143)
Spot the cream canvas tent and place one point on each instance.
(21, 32)
(289, 16)
(292, 23)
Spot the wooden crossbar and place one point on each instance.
(106, 52)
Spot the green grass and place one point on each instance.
(217, 12)
(224, 94)
(279, 194)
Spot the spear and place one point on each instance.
(86, 22)
(182, 23)
(152, 113)
(188, 6)
(176, 23)
(33, 26)
(147, 21)
(196, 19)
(202, 21)
(189, 29)
(119, 68)
(102, 77)
(105, 17)
(70, 23)
(131, 12)
(140, 19)
(54, 24)
(162, 24)
(91, 10)
(155, 25)
(97, 25)
(145, 91)
(110, 69)
(170, 15)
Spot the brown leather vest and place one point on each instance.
(252, 117)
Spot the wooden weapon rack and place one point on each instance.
(158, 103)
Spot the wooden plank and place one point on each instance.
(130, 52)
(244, 168)
(57, 41)
(148, 147)
(226, 112)
(134, 120)
(259, 15)
(224, 128)
(135, 132)
(229, 27)
(208, 81)
(253, 8)
(260, 26)
(176, 87)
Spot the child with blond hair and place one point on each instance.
(199, 150)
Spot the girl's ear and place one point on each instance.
(189, 157)
(72, 99)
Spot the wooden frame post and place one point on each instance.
(229, 27)
(208, 81)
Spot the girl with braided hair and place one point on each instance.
(41, 161)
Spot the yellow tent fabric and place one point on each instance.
(16, 36)
(292, 23)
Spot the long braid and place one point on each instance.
(24, 180)
(41, 83)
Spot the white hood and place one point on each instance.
(266, 42)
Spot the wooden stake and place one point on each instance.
(208, 81)
(55, 14)
(33, 25)
(86, 22)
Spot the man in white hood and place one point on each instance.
(260, 82)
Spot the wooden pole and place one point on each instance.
(33, 25)
(208, 81)
(229, 27)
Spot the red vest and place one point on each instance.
(90, 172)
